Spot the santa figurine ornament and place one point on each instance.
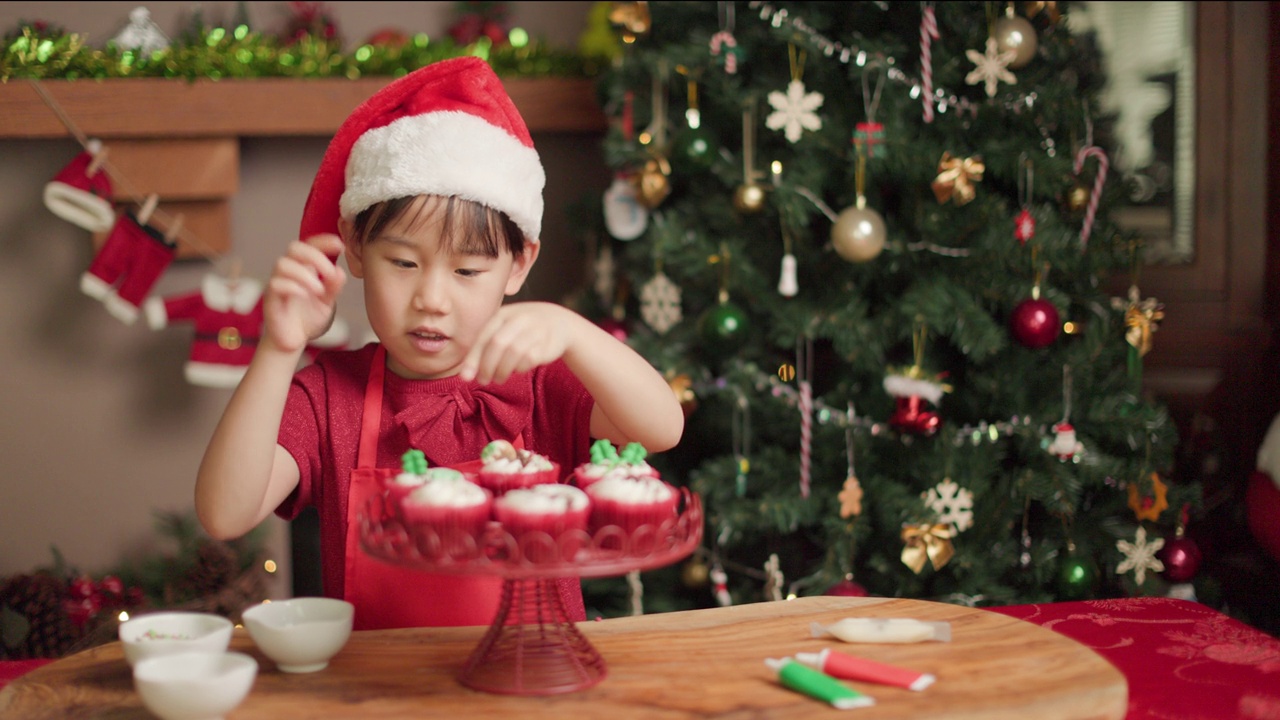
(1065, 446)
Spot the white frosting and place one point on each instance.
(630, 489)
(536, 463)
(640, 469)
(406, 479)
(448, 491)
(545, 499)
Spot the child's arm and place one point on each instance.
(633, 402)
(245, 475)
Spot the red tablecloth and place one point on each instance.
(1183, 660)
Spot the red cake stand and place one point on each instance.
(532, 647)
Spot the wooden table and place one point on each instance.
(701, 663)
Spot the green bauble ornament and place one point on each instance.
(693, 147)
(1077, 577)
(724, 327)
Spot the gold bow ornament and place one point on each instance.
(926, 542)
(1141, 319)
(956, 178)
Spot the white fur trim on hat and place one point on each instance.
(79, 206)
(447, 153)
(903, 386)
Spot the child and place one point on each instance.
(432, 190)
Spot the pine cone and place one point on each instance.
(215, 566)
(33, 621)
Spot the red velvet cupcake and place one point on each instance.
(448, 515)
(605, 460)
(543, 517)
(504, 468)
(630, 501)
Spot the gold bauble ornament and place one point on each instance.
(858, 234)
(749, 198)
(1077, 198)
(1013, 33)
(682, 386)
(653, 183)
(694, 573)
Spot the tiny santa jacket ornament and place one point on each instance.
(81, 192)
(228, 322)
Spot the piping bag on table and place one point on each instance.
(884, 630)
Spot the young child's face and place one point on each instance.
(426, 302)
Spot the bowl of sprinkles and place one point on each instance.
(170, 633)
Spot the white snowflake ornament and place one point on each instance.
(660, 303)
(992, 67)
(793, 112)
(952, 503)
(1140, 555)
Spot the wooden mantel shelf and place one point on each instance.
(180, 139)
(146, 108)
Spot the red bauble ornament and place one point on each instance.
(1035, 323)
(847, 588)
(616, 328)
(1262, 500)
(1181, 558)
(910, 415)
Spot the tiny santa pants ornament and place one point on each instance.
(134, 256)
(81, 192)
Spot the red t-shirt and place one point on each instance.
(449, 420)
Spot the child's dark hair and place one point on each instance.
(469, 227)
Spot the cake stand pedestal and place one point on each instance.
(532, 647)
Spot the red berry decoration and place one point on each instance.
(847, 588)
(1035, 323)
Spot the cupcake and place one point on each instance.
(630, 501)
(413, 474)
(605, 460)
(448, 515)
(503, 468)
(543, 516)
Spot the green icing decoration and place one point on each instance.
(634, 454)
(414, 462)
(603, 453)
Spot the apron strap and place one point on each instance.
(371, 416)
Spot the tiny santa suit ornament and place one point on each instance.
(228, 321)
(81, 192)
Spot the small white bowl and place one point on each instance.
(167, 633)
(300, 634)
(194, 685)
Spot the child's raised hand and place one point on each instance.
(302, 293)
(518, 338)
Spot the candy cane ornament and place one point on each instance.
(725, 41)
(928, 33)
(1091, 210)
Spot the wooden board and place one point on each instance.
(701, 663)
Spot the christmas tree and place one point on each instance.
(870, 244)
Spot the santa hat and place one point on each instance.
(80, 196)
(446, 129)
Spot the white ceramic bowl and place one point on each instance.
(194, 685)
(167, 633)
(300, 634)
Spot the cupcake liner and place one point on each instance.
(545, 537)
(500, 482)
(455, 532)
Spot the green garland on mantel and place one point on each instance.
(219, 53)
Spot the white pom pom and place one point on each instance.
(787, 286)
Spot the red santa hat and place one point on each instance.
(446, 129)
(81, 192)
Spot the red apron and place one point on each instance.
(392, 596)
